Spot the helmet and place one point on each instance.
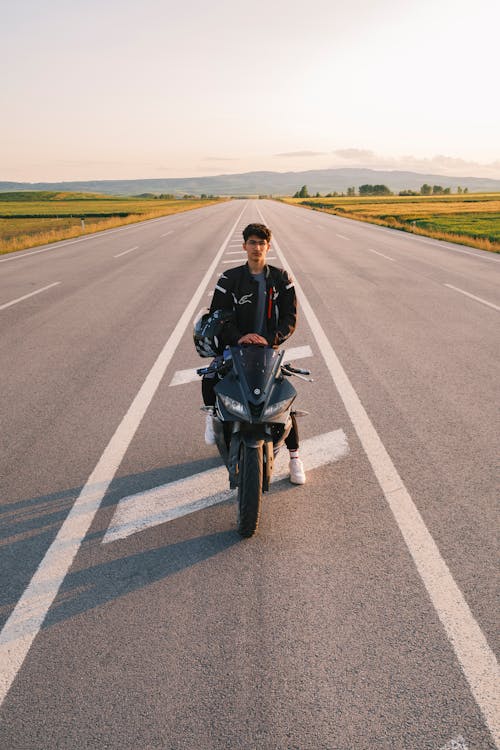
(207, 330)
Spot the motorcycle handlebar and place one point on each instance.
(296, 370)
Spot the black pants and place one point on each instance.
(207, 391)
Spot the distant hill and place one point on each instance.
(265, 183)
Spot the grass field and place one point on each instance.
(472, 219)
(28, 218)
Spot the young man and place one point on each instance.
(264, 303)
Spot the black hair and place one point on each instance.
(258, 230)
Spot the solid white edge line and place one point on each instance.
(27, 618)
(473, 296)
(125, 252)
(26, 296)
(474, 655)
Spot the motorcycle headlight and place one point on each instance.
(235, 407)
(276, 408)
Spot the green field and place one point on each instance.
(28, 218)
(472, 219)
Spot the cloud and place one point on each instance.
(439, 164)
(300, 154)
(448, 165)
(354, 154)
(219, 158)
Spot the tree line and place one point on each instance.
(367, 190)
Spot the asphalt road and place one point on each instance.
(364, 613)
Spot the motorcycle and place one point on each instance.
(252, 419)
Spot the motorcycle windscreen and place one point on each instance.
(256, 366)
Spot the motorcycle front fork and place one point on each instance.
(237, 440)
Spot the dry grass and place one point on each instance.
(19, 234)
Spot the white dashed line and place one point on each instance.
(26, 296)
(167, 233)
(438, 244)
(342, 237)
(91, 236)
(126, 251)
(473, 296)
(381, 254)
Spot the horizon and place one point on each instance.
(250, 172)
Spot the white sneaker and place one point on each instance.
(297, 473)
(209, 430)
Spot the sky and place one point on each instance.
(123, 89)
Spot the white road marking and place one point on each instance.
(189, 376)
(126, 251)
(236, 252)
(167, 233)
(342, 237)
(474, 655)
(458, 743)
(29, 613)
(160, 504)
(377, 253)
(26, 296)
(473, 296)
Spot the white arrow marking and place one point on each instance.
(456, 744)
(160, 504)
(189, 376)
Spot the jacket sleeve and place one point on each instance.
(223, 300)
(286, 304)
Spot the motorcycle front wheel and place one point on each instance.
(249, 489)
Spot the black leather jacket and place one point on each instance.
(237, 290)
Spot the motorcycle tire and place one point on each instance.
(249, 489)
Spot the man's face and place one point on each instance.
(256, 248)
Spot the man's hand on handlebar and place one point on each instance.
(253, 338)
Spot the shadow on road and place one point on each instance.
(28, 527)
(92, 587)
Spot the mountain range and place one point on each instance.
(265, 183)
